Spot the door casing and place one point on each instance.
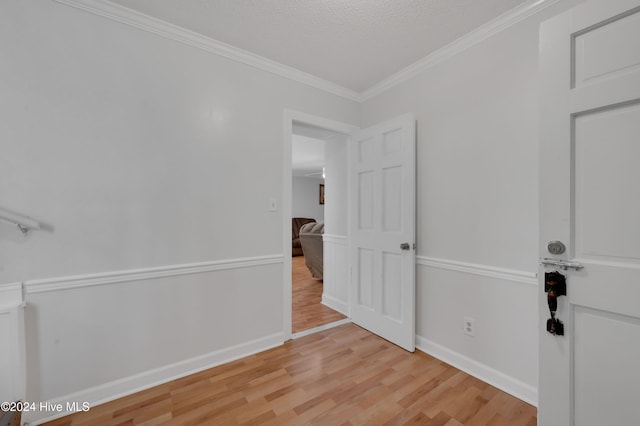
(291, 116)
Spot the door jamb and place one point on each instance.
(289, 117)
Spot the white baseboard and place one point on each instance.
(335, 304)
(148, 379)
(510, 385)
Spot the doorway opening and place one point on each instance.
(315, 209)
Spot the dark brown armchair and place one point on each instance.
(296, 224)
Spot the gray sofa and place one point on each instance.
(312, 247)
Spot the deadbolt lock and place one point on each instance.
(556, 247)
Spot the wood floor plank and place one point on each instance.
(341, 376)
(308, 311)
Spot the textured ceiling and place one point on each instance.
(353, 43)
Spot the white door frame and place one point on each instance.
(289, 117)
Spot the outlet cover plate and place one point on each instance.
(469, 326)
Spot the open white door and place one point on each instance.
(590, 201)
(382, 187)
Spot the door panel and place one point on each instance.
(391, 286)
(597, 335)
(391, 199)
(607, 50)
(365, 279)
(366, 150)
(382, 170)
(365, 201)
(606, 174)
(590, 200)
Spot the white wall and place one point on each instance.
(477, 165)
(150, 164)
(335, 291)
(336, 201)
(305, 200)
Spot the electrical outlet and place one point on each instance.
(469, 326)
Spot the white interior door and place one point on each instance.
(590, 200)
(382, 182)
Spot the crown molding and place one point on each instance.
(468, 40)
(139, 20)
(162, 28)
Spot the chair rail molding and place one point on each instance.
(89, 280)
(338, 239)
(523, 277)
(11, 295)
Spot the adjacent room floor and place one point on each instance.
(308, 311)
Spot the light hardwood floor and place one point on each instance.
(308, 311)
(341, 376)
